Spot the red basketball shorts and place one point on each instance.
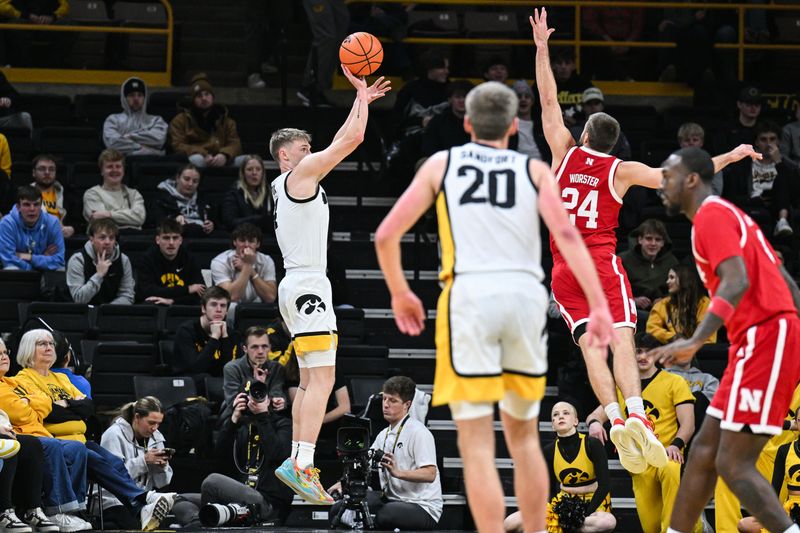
(572, 302)
(762, 373)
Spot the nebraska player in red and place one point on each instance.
(757, 300)
(593, 184)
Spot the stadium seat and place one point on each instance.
(114, 367)
(9, 315)
(93, 109)
(146, 175)
(350, 324)
(361, 389)
(128, 322)
(168, 389)
(20, 142)
(70, 143)
(71, 319)
(491, 24)
(165, 349)
(164, 104)
(204, 250)
(144, 52)
(47, 109)
(89, 49)
(175, 315)
(362, 359)
(253, 314)
(432, 23)
(653, 152)
(214, 390)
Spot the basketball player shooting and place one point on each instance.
(593, 184)
(301, 226)
(491, 340)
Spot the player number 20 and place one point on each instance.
(476, 194)
(587, 209)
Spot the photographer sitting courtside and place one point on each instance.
(411, 493)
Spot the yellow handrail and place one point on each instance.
(740, 46)
(60, 75)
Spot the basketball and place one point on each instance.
(361, 53)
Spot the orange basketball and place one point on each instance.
(361, 53)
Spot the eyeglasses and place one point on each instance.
(45, 344)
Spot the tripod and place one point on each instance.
(361, 508)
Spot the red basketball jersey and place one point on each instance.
(586, 178)
(720, 231)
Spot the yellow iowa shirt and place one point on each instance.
(56, 387)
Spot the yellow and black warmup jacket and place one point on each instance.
(196, 352)
(661, 394)
(576, 461)
(787, 467)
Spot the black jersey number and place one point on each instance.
(504, 199)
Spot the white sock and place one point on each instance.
(635, 406)
(305, 454)
(293, 455)
(670, 530)
(794, 528)
(612, 411)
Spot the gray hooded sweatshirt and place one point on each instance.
(135, 133)
(83, 291)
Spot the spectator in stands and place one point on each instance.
(446, 129)
(691, 134)
(412, 492)
(134, 132)
(203, 131)
(649, 262)
(134, 437)
(764, 189)
(496, 69)
(247, 274)
(526, 134)
(677, 315)
(619, 24)
(670, 408)
(203, 346)
(578, 466)
(594, 102)
(31, 239)
(167, 273)
(37, 12)
(5, 157)
(249, 200)
(328, 20)
(11, 116)
(259, 432)
(65, 364)
(423, 98)
(53, 199)
(742, 129)
(569, 84)
(67, 421)
(113, 199)
(21, 476)
(692, 33)
(240, 373)
(64, 483)
(790, 138)
(178, 199)
(100, 273)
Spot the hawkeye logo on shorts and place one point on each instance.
(309, 304)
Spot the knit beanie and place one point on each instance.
(199, 83)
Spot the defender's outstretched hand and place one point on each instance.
(409, 314)
(541, 33)
(680, 351)
(745, 150)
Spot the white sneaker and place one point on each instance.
(630, 456)
(153, 496)
(39, 521)
(153, 513)
(254, 81)
(68, 523)
(11, 524)
(8, 448)
(783, 228)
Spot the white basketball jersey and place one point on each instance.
(301, 227)
(488, 214)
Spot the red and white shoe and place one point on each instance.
(641, 431)
(630, 456)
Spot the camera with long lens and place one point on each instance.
(358, 464)
(231, 514)
(257, 391)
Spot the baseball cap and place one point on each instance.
(750, 95)
(592, 93)
(133, 85)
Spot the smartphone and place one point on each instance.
(168, 451)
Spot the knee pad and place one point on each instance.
(471, 410)
(520, 408)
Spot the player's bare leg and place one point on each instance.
(736, 463)
(314, 402)
(484, 491)
(531, 479)
(699, 477)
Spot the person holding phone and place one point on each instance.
(134, 437)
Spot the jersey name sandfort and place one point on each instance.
(584, 179)
(487, 158)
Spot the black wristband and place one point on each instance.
(677, 441)
(592, 421)
(787, 424)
